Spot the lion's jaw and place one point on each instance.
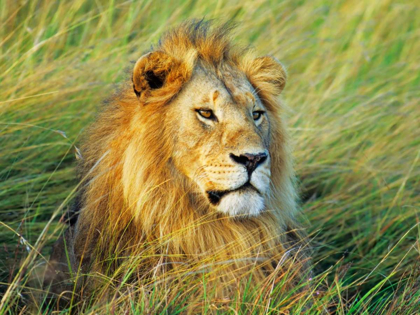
(210, 152)
(243, 202)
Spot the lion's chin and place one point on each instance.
(240, 203)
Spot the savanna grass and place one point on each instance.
(353, 113)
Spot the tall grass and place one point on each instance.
(353, 111)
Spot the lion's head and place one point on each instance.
(220, 121)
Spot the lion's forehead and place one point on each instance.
(228, 86)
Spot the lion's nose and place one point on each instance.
(250, 161)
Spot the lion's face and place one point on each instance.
(216, 128)
(221, 141)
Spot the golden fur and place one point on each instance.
(138, 196)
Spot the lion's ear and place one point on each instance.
(157, 76)
(266, 74)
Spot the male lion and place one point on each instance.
(187, 167)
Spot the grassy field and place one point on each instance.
(354, 115)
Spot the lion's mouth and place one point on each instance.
(216, 195)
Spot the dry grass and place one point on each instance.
(354, 113)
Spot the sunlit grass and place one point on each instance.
(354, 116)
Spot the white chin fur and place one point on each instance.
(242, 203)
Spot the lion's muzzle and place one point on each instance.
(241, 192)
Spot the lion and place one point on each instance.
(189, 164)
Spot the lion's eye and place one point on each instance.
(257, 114)
(206, 113)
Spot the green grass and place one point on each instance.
(353, 111)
